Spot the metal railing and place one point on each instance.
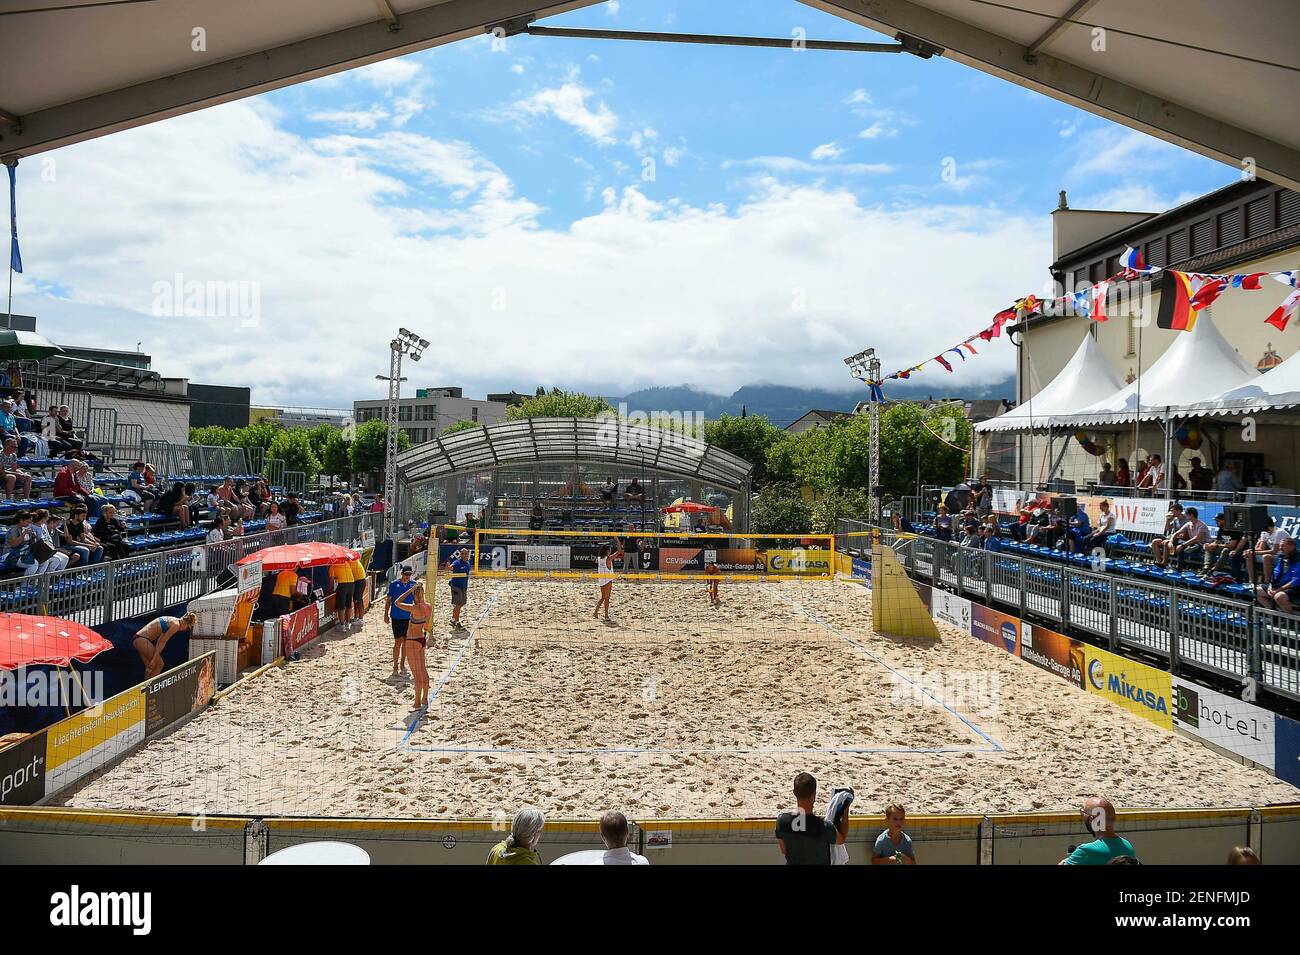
(128, 440)
(115, 590)
(1187, 629)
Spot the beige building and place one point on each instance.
(425, 416)
(1249, 226)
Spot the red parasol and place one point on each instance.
(688, 507)
(26, 640)
(309, 554)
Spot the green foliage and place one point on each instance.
(259, 435)
(779, 509)
(334, 455)
(293, 447)
(833, 504)
(369, 450)
(461, 426)
(748, 438)
(559, 404)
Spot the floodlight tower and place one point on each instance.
(406, 343)
(865, 366)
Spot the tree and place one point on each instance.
(915, 443)
(779, 509)
(559, 404)
(833, 504)
(293, 447)
(749, 438)
(213, 436)
(334, 456)
(319, 436)
(460, 426)
(370, 449)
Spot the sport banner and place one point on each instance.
(996, 628)
(93, 738)
(1054, 652)
(951, 609)
(812, 560)
(1138, 688)
(299, 629)
(1225, 721)
(22, 771)
(540, 557)
(175, 695)
(1288, 750)
(729, 559)
(1141, 515)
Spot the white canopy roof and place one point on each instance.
(1277, 388)
(1199, 365)
(1086, 379)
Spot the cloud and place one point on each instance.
(876, 131)
(791, 165)
(352, 119)
(611, 7)
(393, 72)
(348, 236)
(827, 151)
(568, 104)
(1114, 151)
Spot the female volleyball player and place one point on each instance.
(417, 639)
(605, 567)
(152, 638)
(713, 573)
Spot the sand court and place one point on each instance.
(681, 709)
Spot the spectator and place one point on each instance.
(520, 847)
(1161, 547)
(14, 476)
(48, 556)
(64, 430)
(1243, 855)
(1195, 535)
(1266, 548)
(614, 833)
(1200, 478)
(804, 837)
(111, 532)
(18, 539)
(217, 529)
(291, 509)
(84, 476)
(635, 492)
(9, 427)
(1153, 479)
(275, 520)
(137, 485)
(990, 539)
(1099, 821)
(378, 506)
(943, 524)
(893, 845)
(1039, 529)
(607, 492)
(1228, 545)
(1080, 532)
(1105, 527)
(1107, 477)
(243, 501)
(175, 503)
(1228, 481)
(537, 520)
(1122, 476)
(1282, 584)
(77, 535)
(50, 433)
(984, 497)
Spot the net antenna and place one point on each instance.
(865, 366)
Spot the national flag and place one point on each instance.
(1176, 311)
(15, 255)
(1082, 302)
(971, 347)
(1284, 312)
(1132, 260)
(1286, 278)
(1210, 289)
(988, 333)
(943, 361)
(904, 374)
(1098, 311)
(960, 354)
(1249, 282)
(1028, 305)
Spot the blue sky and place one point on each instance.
(602, 215)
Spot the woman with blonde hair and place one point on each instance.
(417, 640)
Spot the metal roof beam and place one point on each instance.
(244, 76)
(1064, 81)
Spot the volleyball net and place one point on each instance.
(650, 556)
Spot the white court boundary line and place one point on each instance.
(993, 747)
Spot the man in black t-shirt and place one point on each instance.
(290, 508)
(806, 838)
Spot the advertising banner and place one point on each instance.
(861, 570)
(250, 580)
(813, 560)
(175, 695)
(728, 559)
(1241, 728)
(1287, 742)
(93, 738)
(1135, 686)
(951, 609)
(540, 557)
(22, 771)
(1054, 652)
(1142, 515)
(996, 628)
(299, 629)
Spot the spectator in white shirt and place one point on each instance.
(1195, 534)
(614, 832)
(1105, 527)
(1266, 548)
(1228, 481)
(1154, 479)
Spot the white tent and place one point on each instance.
(1278, 387)
(1199, 365)
(1086, 378)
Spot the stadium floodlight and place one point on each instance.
(865, 366)
(406, 343)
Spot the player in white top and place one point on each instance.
(605, 561)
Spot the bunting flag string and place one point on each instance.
(1183, 296)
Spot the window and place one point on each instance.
(403, 412)
(1178, 247)
(1259, 216)
(1202, 236)
(1230, 227)
(474, 413)
(1131, 350)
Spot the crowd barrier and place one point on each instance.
(1229, 638)
(116, 590)
(1168, 837)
